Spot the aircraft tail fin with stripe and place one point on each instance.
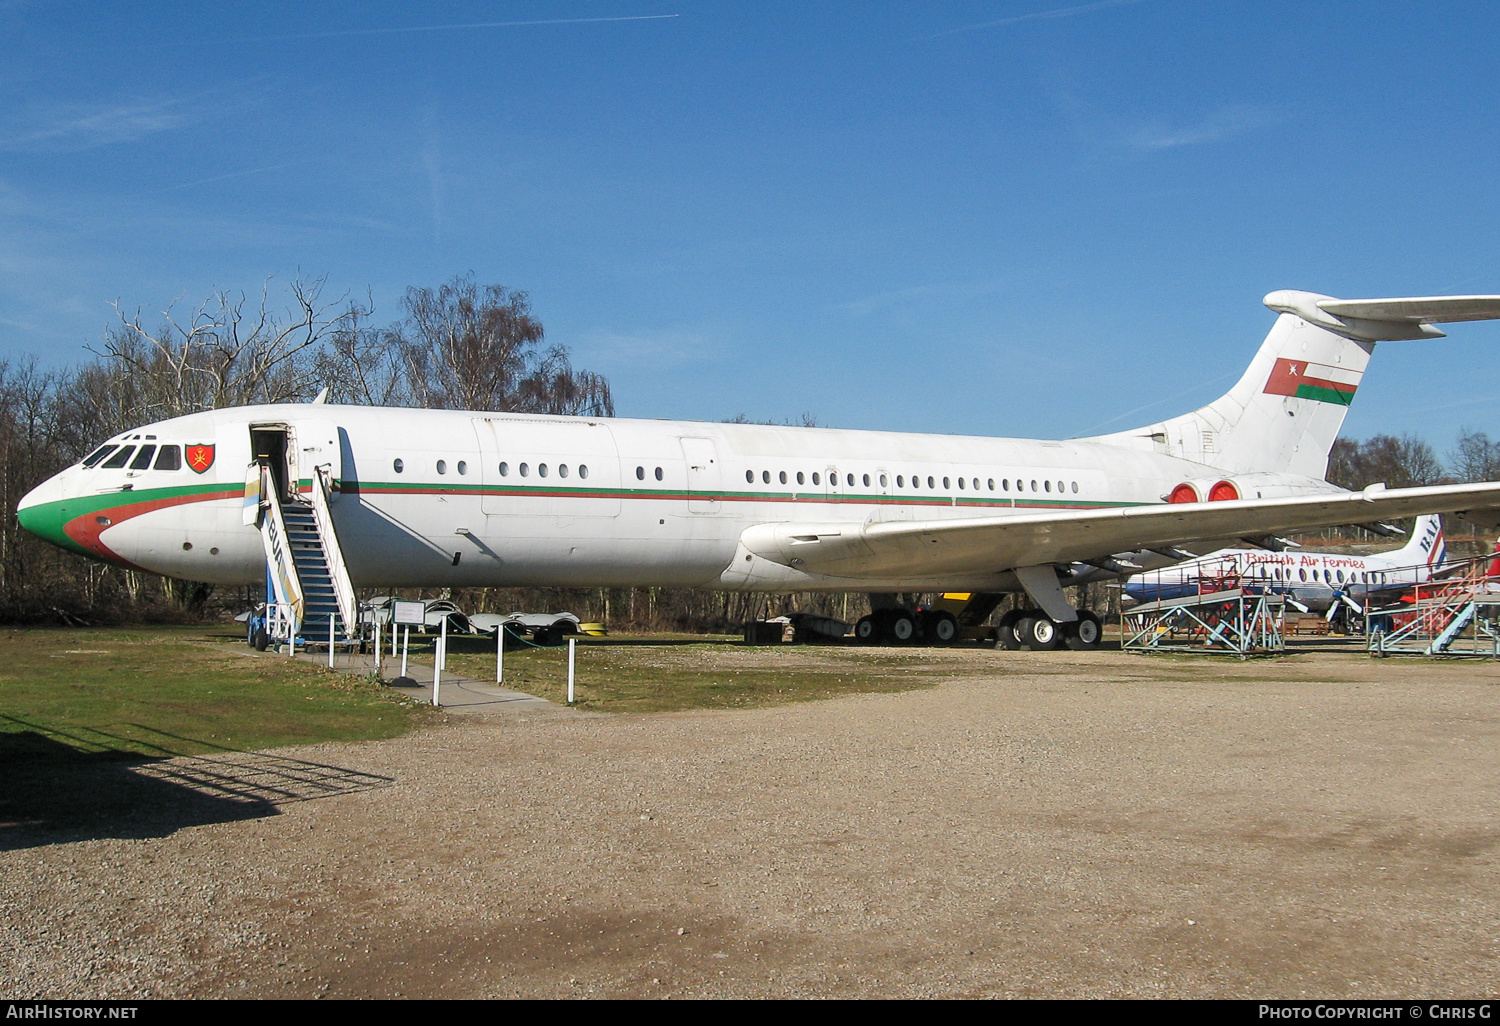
(1286, 410)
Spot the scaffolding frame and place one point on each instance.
(1228, 614)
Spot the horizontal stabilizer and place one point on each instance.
(1384, 320)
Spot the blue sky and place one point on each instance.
(1027, 217)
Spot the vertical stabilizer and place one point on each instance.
(1285, 412)
(1426, 546)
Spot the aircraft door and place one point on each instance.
(702, 475)
(312, 444)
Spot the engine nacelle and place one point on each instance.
(1205, 489)
(1248, 486)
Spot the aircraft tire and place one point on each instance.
(1085, 634)
(1005, 634)
(867, 630)
(261, 641)
(902, 628)
(1039, 633)
(940, 628)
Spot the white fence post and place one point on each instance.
(572, 647)
(439, 657)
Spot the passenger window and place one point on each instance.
(524, 469)
(143, 458)
(169, 458)
(1075, 487)
(960, 482)
(98, 454)
(442, 466)
(583, 471)
(504, 469)
(1046, 486)
(765, 477)
(1033, 486)
(815, 477)
(562, 470)
(900, 481)
(800, 479)
(463, 468)
(930, 482)
(749, 477)
(782, 476)
(658, 473)
(882, 480)
(399, 465)
(541, 470)
(850, 480)
(117, 461)
(640, 473)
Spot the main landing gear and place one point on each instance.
(904, 627)
(1033, 629)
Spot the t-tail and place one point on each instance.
(1286, 411)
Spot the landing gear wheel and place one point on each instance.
(941, 628)
(1039, 633)
(1086, 634)
(901, 628)
(261, 641)
(867, 631)
(1005, 634)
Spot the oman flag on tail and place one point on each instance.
(1317, 381)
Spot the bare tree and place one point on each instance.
(472, 348)
(1402, 462)
(1475, 457)
(221, 355)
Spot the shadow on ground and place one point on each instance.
(54, 793)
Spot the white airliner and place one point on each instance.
(439, 498)
(1314, 580)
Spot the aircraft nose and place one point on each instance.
(43, 512)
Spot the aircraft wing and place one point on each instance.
(935, 548)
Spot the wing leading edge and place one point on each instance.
(934, 548)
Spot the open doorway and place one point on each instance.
(269, 446)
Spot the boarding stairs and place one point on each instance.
(309, 595)
(1459, 615)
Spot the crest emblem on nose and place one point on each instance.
(200, 457)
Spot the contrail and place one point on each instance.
(1060, 12)
(472, 25)
(220, 178)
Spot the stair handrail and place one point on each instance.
(285, 581)
(333, 555)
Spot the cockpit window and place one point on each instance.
(143, 458)
(98, 454)
(117, 461)
(170, 458)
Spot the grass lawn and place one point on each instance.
(662, 674)
(177, 691)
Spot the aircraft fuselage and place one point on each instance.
(437, 498)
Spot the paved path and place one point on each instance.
(456, 693)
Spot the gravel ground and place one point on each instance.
(1040, 824)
